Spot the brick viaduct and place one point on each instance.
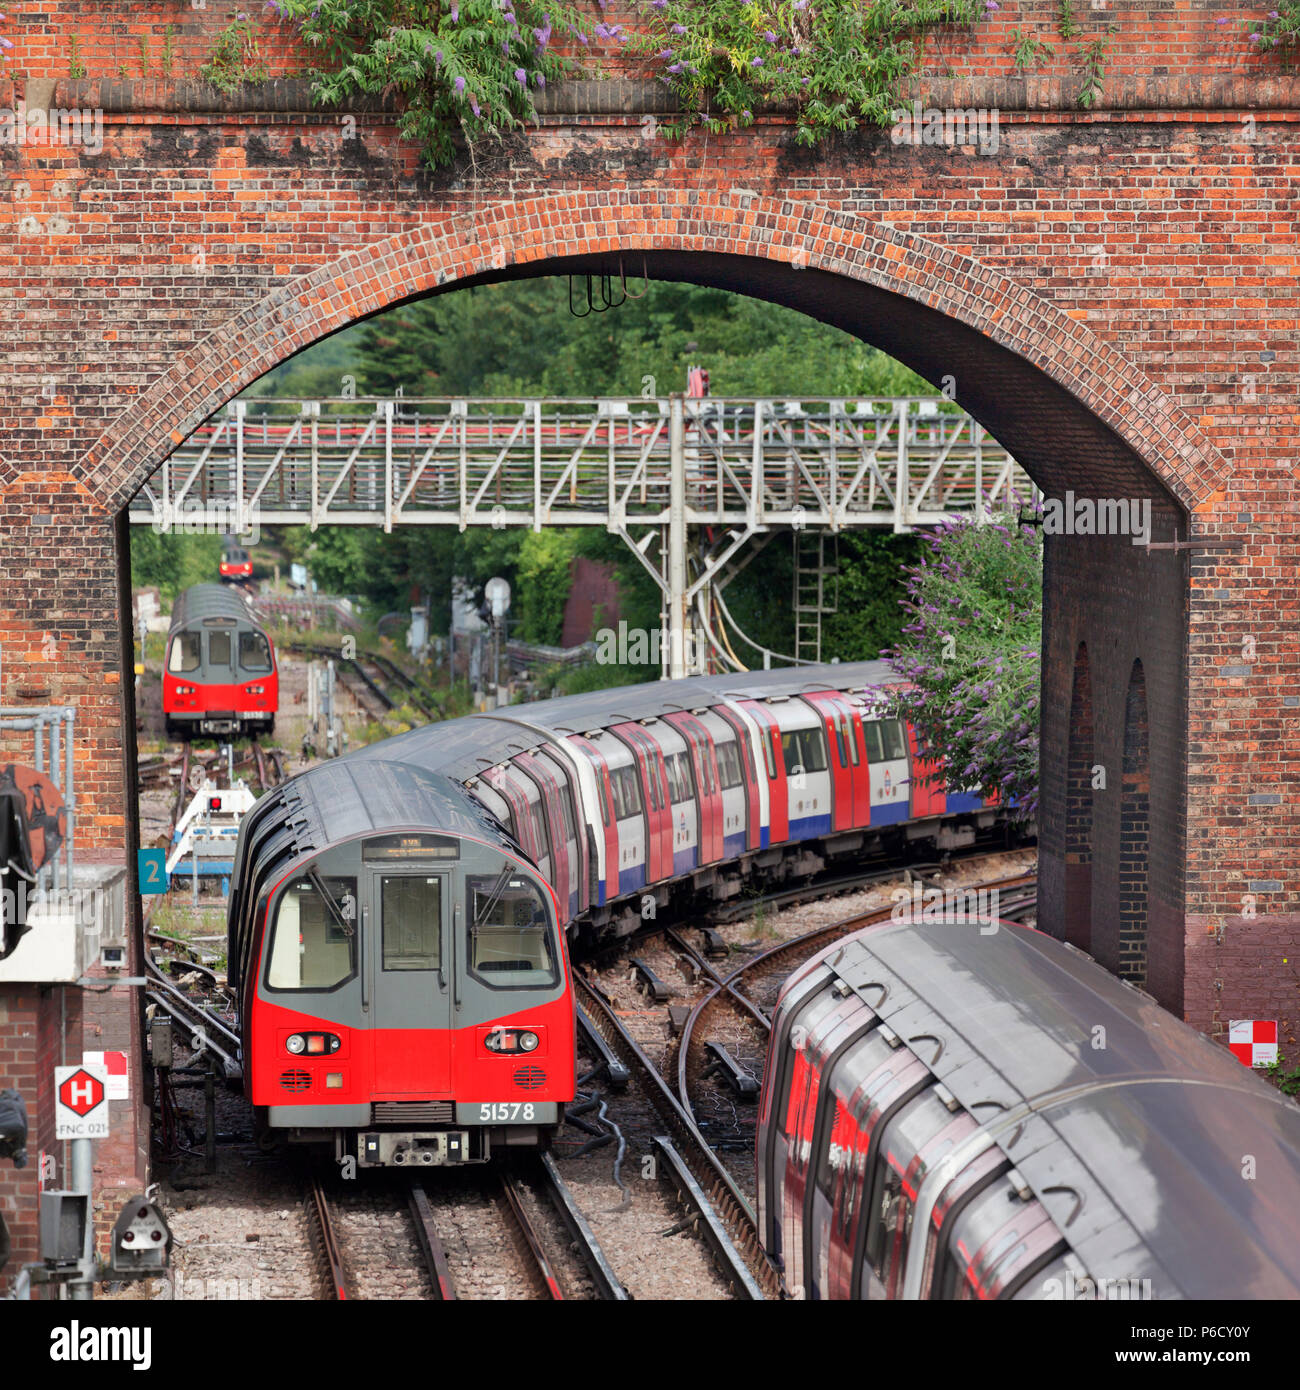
(1114, 294)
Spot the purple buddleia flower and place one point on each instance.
(459, 84)
(521, 77)
(677, 29)
(474, 107)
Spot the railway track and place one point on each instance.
(373, 679)
(513, 1199)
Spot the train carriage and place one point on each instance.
(402, 973)
(683, 794)
(974, 1110)
(219, 667)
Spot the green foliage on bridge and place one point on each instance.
(835, 64)
(463, 69)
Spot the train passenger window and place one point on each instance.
(679, 777)
(627, 792)
(804, 750)
(185, 652)
(729, 769)
(218, 649)
(313, 945)
(510, 937)
(411, 922)
(847, 725)
(254, 652)
(875, 745)
(891, 734)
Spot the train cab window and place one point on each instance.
(218, 649)
(804, 751)
(314, 940)
(184, 653)
(510, 936)
(254, 652)
(627, 793)
(729, 771)
(411, 922)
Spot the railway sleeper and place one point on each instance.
(723, 1064)
(658, 989)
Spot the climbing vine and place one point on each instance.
(461, 67)
(1280, 28)
(836, 64)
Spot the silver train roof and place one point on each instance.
(1135, 1145)
(463, 748)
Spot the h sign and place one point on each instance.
(80, 1102)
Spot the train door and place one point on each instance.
(708, 789)
(847, 765)
(773, 768)
(563, 857)
(579, 852)
(755, 794)
(606, 886)
(929, 797)
(409, 965)
(658, 812)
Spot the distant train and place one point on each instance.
(971, 1110)
(235, 566)
(219, 670)
(396, 922)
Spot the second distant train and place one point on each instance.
(219, 671)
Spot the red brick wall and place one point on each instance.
(40, 1029)
(1113, 295)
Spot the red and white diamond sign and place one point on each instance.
(1253, 1041)
(114, 1065)
(80, 1102)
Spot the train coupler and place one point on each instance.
(434, 1149)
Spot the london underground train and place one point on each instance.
(959, 1109)
(219, 668)
(398, 917)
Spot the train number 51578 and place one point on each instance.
(506, 1110)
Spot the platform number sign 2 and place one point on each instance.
(152, 868)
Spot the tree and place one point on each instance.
(970, 657)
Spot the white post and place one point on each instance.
(676, 654)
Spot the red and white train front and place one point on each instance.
(405, 993)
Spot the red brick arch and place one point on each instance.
(512, 237)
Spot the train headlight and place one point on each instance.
(527, 1041)
(255, 689)
(296, 1043)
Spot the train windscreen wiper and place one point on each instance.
(335, 911)
(493, 898)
